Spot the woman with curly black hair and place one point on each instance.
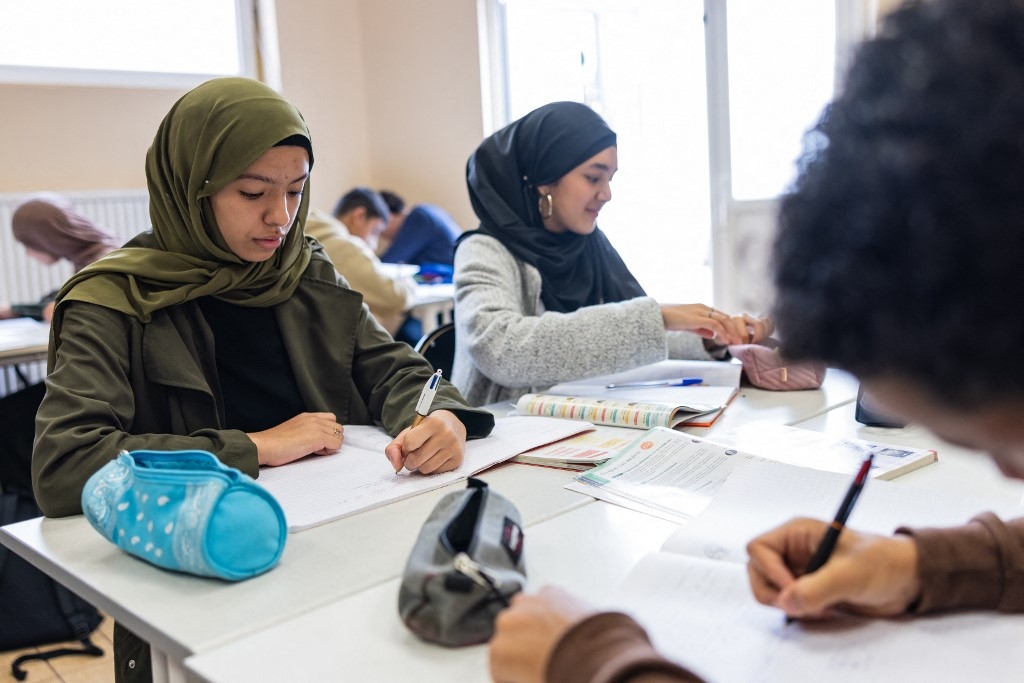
(900, 259)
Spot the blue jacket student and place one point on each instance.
(426, 234)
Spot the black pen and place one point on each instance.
(831, 537)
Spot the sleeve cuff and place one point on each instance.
(973, 566)
(610, 647)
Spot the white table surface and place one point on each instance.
(433, 306)
(181, 615)
(588, 549)
(362, 638)
(23, 340)
(958, 469)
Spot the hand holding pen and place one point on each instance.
(863, 573)
(831, 537)
(434, 441)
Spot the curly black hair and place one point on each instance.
(900, 250)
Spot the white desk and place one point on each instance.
(587, 549)
(23, 340)
(182, 615)
(434, 305)
(362, 638)
(789, 407)
(958, 470)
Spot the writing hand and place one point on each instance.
(702, 320)
(437, 444)
(867, 574)
(526, 633)
(304, 434)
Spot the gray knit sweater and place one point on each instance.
(507, 345)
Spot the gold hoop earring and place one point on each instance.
(546, 213)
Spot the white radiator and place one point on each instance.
(24, 280)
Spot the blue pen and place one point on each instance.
(681, 382)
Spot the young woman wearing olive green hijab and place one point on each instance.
(225, 329)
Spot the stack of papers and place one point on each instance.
(674, 475)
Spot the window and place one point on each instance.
(146, 43)
(640, 64)
(781, 70)
(710, 101)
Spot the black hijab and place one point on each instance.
(503, 174)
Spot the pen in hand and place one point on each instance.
(831, 537)
(680, 382)
(423, 405)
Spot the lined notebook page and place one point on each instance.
(761, 495)
(319, 489)
(701, 613)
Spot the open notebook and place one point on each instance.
(646, 406)
(320, 489)
(693, 596)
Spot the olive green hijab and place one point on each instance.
(209, 137)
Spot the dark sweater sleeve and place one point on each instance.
(610, 647)
(978, 565)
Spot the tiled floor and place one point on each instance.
(71, 668)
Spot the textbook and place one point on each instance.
(616, 400)
(675, 475)
(580, 452)
(693, 596)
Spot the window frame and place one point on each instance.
(742, 229)
(248, 30)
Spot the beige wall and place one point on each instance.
(423, 89)
(390, 89)
(322, 73)
(69, 138)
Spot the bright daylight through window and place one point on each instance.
(642, 65)
(109, 41)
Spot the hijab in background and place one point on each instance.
(47, 223)
(209, 137)
(503, 175)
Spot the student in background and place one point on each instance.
(422, 234)
(903, 237)
(348, 237)
(226, 329)
(51, 230)
(541, 294)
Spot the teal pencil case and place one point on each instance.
(186, 511)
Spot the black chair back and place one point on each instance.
(438, 347)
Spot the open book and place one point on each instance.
(642, 407)
(580, 452)
(674, 475)
(694, 600)
(320, 489)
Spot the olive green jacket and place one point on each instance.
(118, 384)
